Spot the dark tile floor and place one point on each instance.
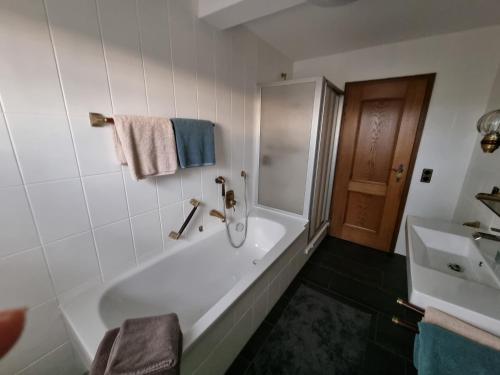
(363, 278)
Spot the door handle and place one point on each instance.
(399, 172)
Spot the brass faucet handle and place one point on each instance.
(230, 201)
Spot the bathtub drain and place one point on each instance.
(254, 262)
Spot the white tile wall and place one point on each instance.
(72, 261)
(141, 197)
(146, 229)
(120, 33)
(94, 147)
(80, 56)
(59, 208)
(28, 75)
(71, 215)
(44, 146)
(8, 166)
(106, 198)
(191, 182)
(116, 248)
(184, 59)
(25, 280)
(18, 229)
(157, 58)
(169, 190)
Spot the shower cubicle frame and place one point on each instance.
(321, 83)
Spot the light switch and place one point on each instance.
(426, 175)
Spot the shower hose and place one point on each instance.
(229, 236)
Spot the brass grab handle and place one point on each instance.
(176, 235)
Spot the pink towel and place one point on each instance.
(450, 323)
(146, 145)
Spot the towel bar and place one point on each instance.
(406, 324)
(98, 119)
(176, 235)
(410, 306)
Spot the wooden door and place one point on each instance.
(381, 127)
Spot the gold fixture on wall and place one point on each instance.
(492, 200)
(176, 235)
(218, 215)
(230, 202)
(489, 126)
(472, 224)
(97, 119)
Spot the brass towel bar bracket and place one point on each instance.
(410, 306)
(404, 323)
(176, 235)
(97, 119)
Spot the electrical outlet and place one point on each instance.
(426, 175)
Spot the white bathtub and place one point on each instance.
(214, 288)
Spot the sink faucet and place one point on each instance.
(487, 236)
(478, 235)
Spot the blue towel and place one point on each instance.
(441, 352)
(195, 142)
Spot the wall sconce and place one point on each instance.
(489, 126)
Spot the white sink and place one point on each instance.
(450, 271)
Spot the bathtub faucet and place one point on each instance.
(218, 215)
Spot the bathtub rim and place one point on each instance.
(88, 332)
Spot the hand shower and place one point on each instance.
(220, 180)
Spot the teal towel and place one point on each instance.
(441, 352)
(195, 142)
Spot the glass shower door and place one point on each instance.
(285, 134)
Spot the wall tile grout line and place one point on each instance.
(30, 204)
(99, 21)
(34, 363)
(149, 112)
(169, 19)
(68, 118)
(169, 24)
(128, 217)
(105, 54)
(143, 64)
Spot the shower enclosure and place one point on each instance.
(299, 126)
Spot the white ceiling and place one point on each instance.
(307, 31)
